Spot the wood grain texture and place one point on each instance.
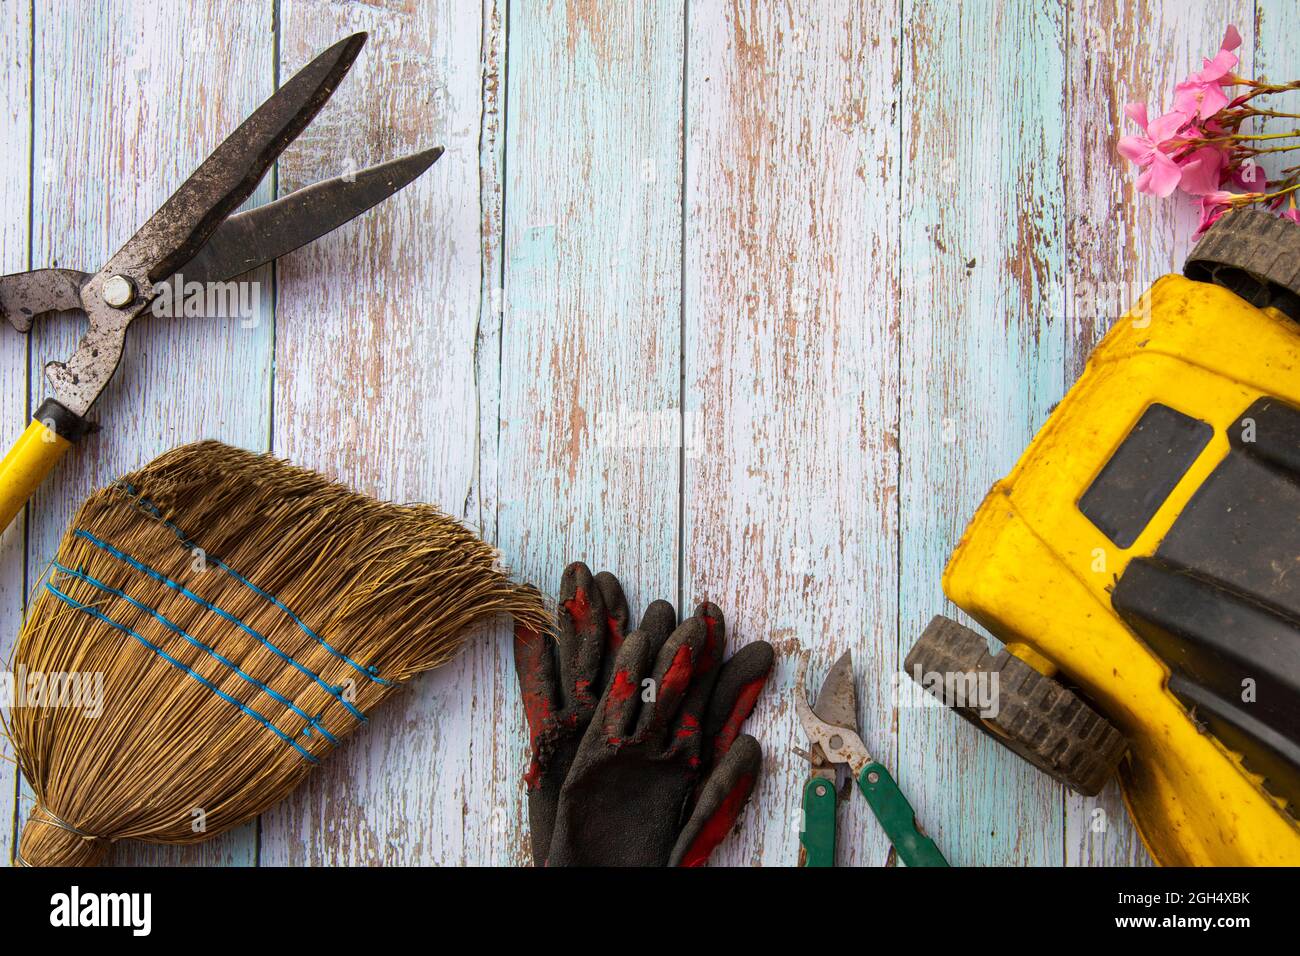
(1275, 54)
(376, 332)
(791, 350)
(1119, 241)
(123, 113)
(15, 207)
(982, 259)
(591, 342)
(494, 834)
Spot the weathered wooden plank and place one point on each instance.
(1119, 241)
(1275, 55)
(981, 254)
(493, 833)
(15, 196)
(126, 105)
(791, 383)
(376, 332)
(591, 342)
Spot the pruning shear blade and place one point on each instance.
(832, 724)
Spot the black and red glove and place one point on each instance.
(637, 796)
(561, 681)
(662, 773)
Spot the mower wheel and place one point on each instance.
(1029, 713)
(1254, 254)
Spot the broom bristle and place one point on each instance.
(245, 616)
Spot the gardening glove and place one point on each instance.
(560, 681)
(634, 795)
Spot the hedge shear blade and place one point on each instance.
(193, 236)
(837, 753)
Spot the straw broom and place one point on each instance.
(245, 616)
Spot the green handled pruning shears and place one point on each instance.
(835, 751)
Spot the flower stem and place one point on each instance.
(1262, 87)
(1247, 113)
(1254, 136)
(1288, 190)
(1270, 149)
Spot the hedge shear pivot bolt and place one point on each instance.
(118, 291)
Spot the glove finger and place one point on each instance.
(616, 621)
(736, 692)
(581, 641)
(690, 719)
(722, 798)
(618, 706)
(657, 624)
(715, 638)
(673, 669)
(616, 612)
(535, 668)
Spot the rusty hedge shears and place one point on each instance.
(836, 753)
(192, 235)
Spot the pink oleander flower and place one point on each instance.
(1201, 94)
(1151, 151)
(1201, 172)
(1213, 205)
(1208, 145)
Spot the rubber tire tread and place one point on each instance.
(1040, 720)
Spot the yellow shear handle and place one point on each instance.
(26, 466)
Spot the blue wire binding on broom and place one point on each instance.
(335, 692)
(95, 613)
(155, 512)
(177, 629)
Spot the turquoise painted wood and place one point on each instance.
(122, 113)
(590, 357)
(15, 186)
(792, 370)
(1275, 53)
(981, 261)
(591, 340)
(376, 337)
(741, 302)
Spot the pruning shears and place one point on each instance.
(837, 753)
(194, 238)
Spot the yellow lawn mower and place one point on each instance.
(1141, 563)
